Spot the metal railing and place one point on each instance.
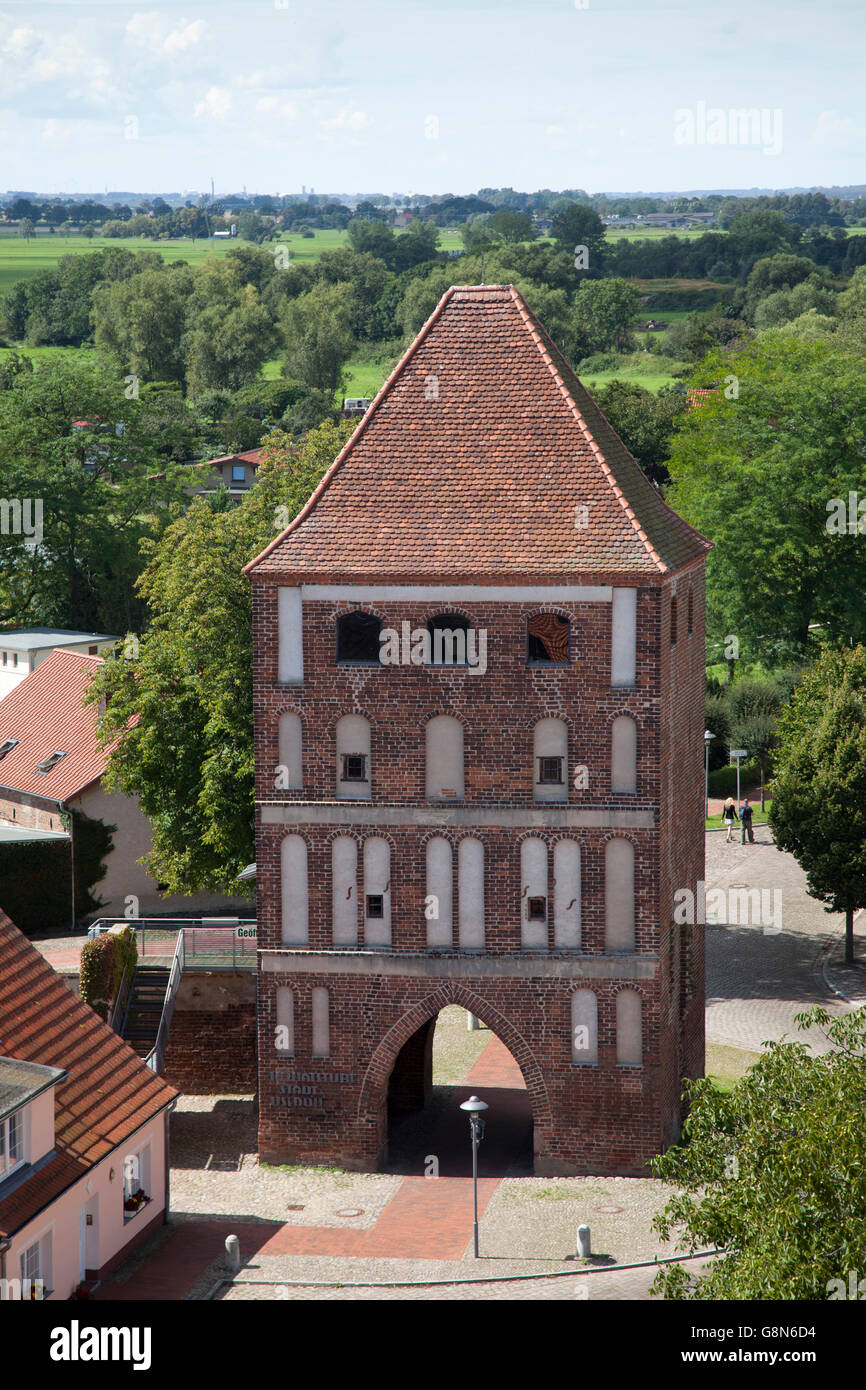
(118, 1013)
(210, 943)
(156, 1057)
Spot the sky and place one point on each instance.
(430, 96)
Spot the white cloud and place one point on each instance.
(277, 106)
(216, 105)
(155, 32)
(837, 132)
(57, 132)
(348, 119)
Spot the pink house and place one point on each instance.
(83, 1134)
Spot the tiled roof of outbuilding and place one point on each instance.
(471, 463)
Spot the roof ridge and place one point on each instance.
(535, 331)
(356, 434)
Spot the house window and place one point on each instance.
(11, 1143)
(136, 1182)
(358, 638)
(4, 658)
(92, 651)
(547, 640)
(673, 622)
(536, 909)
(550, 771)
(376, 905)
(691, 612)
(36, 1266)
(448, 639)
(354, 767)
(239, 473)
(7, 747)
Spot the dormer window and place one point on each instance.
(48, 763)
(8, 745)
(239, 473)
(11, 1143)
(547, 640)
(358, 638)
(536, 909)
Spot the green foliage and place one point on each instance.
(723, 780)
(100, 969)
(644, 422)
(772, 1174)
(35, 878)
(819, 801)
(182, 711)
(753, 470)
(318, 336)
(103, 485)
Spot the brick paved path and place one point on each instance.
(757, 982)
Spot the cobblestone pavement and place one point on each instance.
(757, 980)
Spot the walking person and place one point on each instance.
(729, 815)
(746, 822)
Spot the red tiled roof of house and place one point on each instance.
(471, 462)
(697, 395)
(45, 713)
(253, 456)
(109, 1092)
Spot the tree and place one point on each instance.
(230, 333)
(819, 793)
(605, 310)
(755, 466)
(772, 1174)
(580, 225)
(81, 453)
(182, 710)
(318, 336)
(512, 227)
(141, 321)
(644, 422)
(26, 228)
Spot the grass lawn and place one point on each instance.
(726, 1065)
(19, 258)
(759, 817)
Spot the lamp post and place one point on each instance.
(738, 753)
(476, 1128)
(708, 738)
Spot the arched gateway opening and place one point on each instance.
(422, 1072)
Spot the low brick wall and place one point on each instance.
(212, 1041)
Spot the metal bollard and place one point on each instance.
(584, 1242)
(233, 1252)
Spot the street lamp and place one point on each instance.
(476, 1129)
(738, 753)
(708, 738)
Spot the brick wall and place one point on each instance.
(212, 1041)
(603, 1119)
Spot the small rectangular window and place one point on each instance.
(375, 905)
(354, 767)
(239, 473)
(92, 651)
(673, 622)
(550, 771)
(536, 909)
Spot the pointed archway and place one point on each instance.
(411, 1036)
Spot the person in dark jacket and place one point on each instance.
(746, 822)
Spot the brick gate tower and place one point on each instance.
(479, 717)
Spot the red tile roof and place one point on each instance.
(471, 462)
(45, 713)
(109, 1093)
(253, 456)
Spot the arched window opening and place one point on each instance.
(547, 640)
(358, 638)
